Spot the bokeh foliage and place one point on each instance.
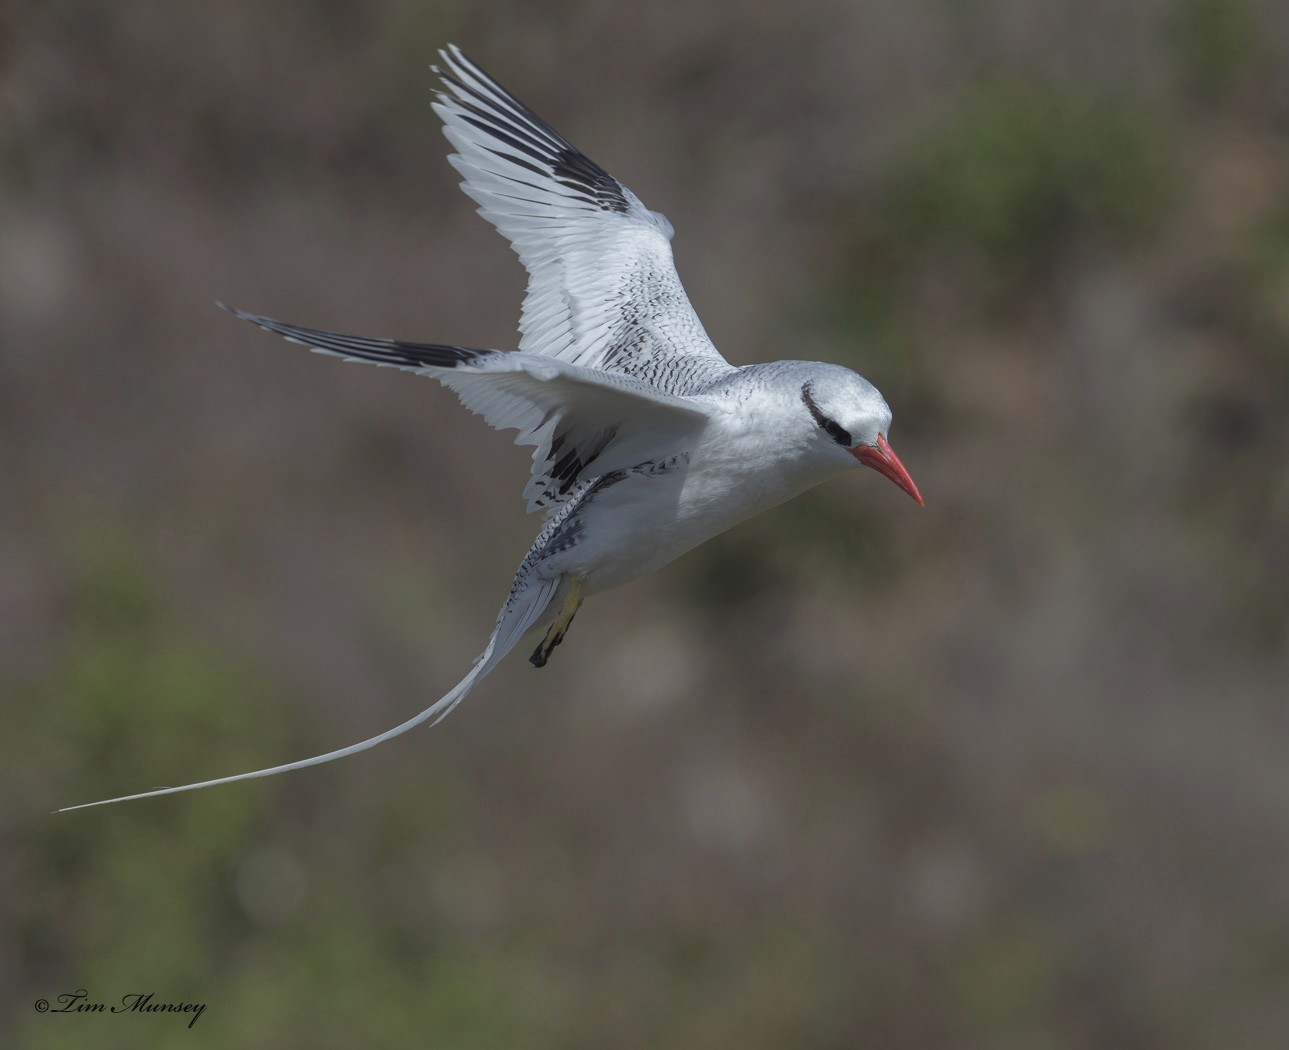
(1004, 772)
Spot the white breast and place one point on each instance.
(637, 524)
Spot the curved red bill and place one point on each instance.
(882, 458)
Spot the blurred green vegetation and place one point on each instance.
(1219, 45)
(1006, 771)
(1013, 174)
(162, 898)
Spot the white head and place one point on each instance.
(851, 419)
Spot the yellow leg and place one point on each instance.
(558, 629)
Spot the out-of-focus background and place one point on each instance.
(1009, 771)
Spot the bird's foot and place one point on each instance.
(560, 627)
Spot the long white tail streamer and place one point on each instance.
(520, 612)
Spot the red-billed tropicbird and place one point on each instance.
(648, 441)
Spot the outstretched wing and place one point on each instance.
(602, 290)
(584, 422)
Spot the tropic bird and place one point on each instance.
(647, 442)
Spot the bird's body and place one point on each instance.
(629, 523)
(647, 442)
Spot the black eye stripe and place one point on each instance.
(830, 427)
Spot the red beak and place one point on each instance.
(882, 458)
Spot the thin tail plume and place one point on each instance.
(527, 602)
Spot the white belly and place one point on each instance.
(640, 523)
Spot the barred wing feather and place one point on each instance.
(603, 290)
(583, 422)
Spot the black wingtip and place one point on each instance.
(266, 323)
(397, 352)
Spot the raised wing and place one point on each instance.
(584, 422)
(602, 289)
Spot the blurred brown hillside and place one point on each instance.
(1010, 771)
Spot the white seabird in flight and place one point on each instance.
(647, 441)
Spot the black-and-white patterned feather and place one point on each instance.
(603, 290)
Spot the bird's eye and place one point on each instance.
(829, 426)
